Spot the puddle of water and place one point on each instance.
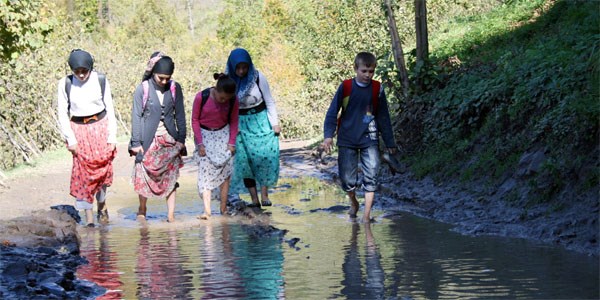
(334, 258)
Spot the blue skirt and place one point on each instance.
(256, 153)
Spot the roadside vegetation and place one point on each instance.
(504, 81)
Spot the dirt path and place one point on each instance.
(576, 226)
(46, 185)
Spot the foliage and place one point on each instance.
(23, 25)
(527, 79)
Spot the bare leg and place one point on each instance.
(253, 195)
(206, 195)
(369, 196)
(171, 206)
(224, 191)
(142, 208)
(89, 217)
(353, 204)
(264, 194)
(101, 202)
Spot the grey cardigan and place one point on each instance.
(144, 123)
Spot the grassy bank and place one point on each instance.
(518, 80)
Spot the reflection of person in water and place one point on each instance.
(259, 260)
(220, 277)
(159, 267)
(355, 286)
(101, 268)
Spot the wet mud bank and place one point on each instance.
(476, 211)
(39, 256)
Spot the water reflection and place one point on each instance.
(159, 269)
(399, 257)
(220, 276)
(101, 268)
(359, 284)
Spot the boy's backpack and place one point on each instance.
(69, 82)
(347, 89)
(145, 96)
(206, 93)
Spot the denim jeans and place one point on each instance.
(348, 162)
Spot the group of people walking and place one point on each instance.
(235, 126)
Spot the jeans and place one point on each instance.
(348, 162)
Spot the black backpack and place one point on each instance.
(69, 82)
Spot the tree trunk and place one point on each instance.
(188, 5)
(397, 49)
(422, 38)
(421, 29)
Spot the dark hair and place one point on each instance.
(224, 83)
(365, 58)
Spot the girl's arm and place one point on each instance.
(110, 112)
(269, 101)
(233, 123)
(180, 115)
(136, 118)
(63, 114)
(196, 118)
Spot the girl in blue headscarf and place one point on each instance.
(256, 161)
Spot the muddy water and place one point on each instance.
(324, 255)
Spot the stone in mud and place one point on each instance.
(292, 242)
(332, 209)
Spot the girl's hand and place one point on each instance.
(327, 144)
(137, 149)
(72, 149)
(231, 149)
(277, 129)
(201, 150)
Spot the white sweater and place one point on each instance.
(86, 100)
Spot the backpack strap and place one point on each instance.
(69, 82)
(144, 95)
(258, 85)
(376, 87)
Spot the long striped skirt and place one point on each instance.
(92, 166)
(216, 166)
(256, 153)
(158, 172)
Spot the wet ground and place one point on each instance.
(306, 247)
(318, 252)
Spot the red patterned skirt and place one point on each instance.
(92, 166)
(158, 172)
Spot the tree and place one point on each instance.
(422, 37)
(397, 49)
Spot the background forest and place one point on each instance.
(507, 97)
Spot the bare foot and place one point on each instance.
(204, 216)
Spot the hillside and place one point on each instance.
(512, 112)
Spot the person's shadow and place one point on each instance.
(359, 284)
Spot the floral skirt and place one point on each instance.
(216, 166)
(156, 175)
(256, 153)
(92, 166)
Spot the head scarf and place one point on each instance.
(164, 65)
(246, 83)
(80, 59)
(150, 65)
